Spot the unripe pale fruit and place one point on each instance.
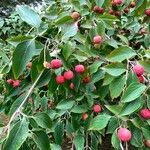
(79, 68)
(124, 134)
(68, 75)
(60, 79)
(147, 143)
(143, 31)
(16, 83)
(85, 116)
(147, 12)
(75, 15)
(29, 65)
(138, 70)
(141, 79)
(47, 65)
(132, 4)
(126, 10)
(97, 46)
(10, 81)
(87, 79)
(97, 108)
(97, 39)
(56, 63)
(145, 113)
(71, 86)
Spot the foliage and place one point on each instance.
(40, 108)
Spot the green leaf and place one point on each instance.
(43, 120)
(55, 147)
(17, 135)
(23, 54)
(115, 109)
(64, 18)
(117, 86)
(146, 133)
(115, 141)
(115, 69)
(120, 54)
(29, 15)
(65, 104)
(129, 108)
(146, 65)
(99, 122)
(41, 140)
(78, 141)
(100, 28)
(133, 91)
(100, 3)
(140, 10)
(79, 109)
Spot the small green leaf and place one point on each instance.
(79, 109)
(99, 122)
(133, 91)
(78, 141)
(146, 133)
(115, 141)
(65, 104)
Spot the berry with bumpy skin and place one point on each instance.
(98, 9)
(97, 39)
(10, 81)
(85, 116)
(111, 12)
(147, 143)
(141, 79)
(79, 68)
(124, 134)
(16, 83)
(101, 10)
(56, 63)
(97, 108)
(87, 79)
(60, 79)
(147, 12)
(126, 10)
(68, 75)
(75, 15)
(119, 2)
(116, 2)
(138, 70)
(118, 13)
(132, 4)
(71, 86)
(47, 65)
(145, 113)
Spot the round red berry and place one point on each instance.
(145, 113)
(60, 79)
(147, 143)
(71, 86)
(97, 39)
(111, 12)
(138, 70)
(68, 75)
(132, 4)
(79, 68)
(124, 134)
(56, 63)
(85, 116)
(126, 10)
(16, 83)
(75, 15)
(97, 108)
(10, 81)
(87, 79)
(147, 12)
(141, 79)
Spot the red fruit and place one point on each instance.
(97, 39)
(86, 79)
(79, 68)
(75, 15)
(111, 12)
(47, 65)
(68, 75)
(143, 31)
(16, 83)
(117, 13)
(141, 79)
(138, 70)
(85, 116)
(124, 134)
(97, 108)
(119, 2)
(60, 79)
(56, 63)
(147, 143)
(98, 9)
(116, 2)
(71, 86)
(132, 4)
(126, 10)
(10, 81)
(145, 113)
(147, 12)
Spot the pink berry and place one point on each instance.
(75, 15)
(16, 83)
(132, 4)
(29, 65)
(147, 12)
(60, 79)
(10, 81)
(97, 108)
(47, 65)
(68, 75)
(138, 70)
(96, 9)
(79, 68)
(56, 63)
(71, 86)
(126, 10)
(97, 39)
(145, 113)
(147, 143)
(85, 116)
(111, 12)
(124, 134)
(87, 79)
(141, 79)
